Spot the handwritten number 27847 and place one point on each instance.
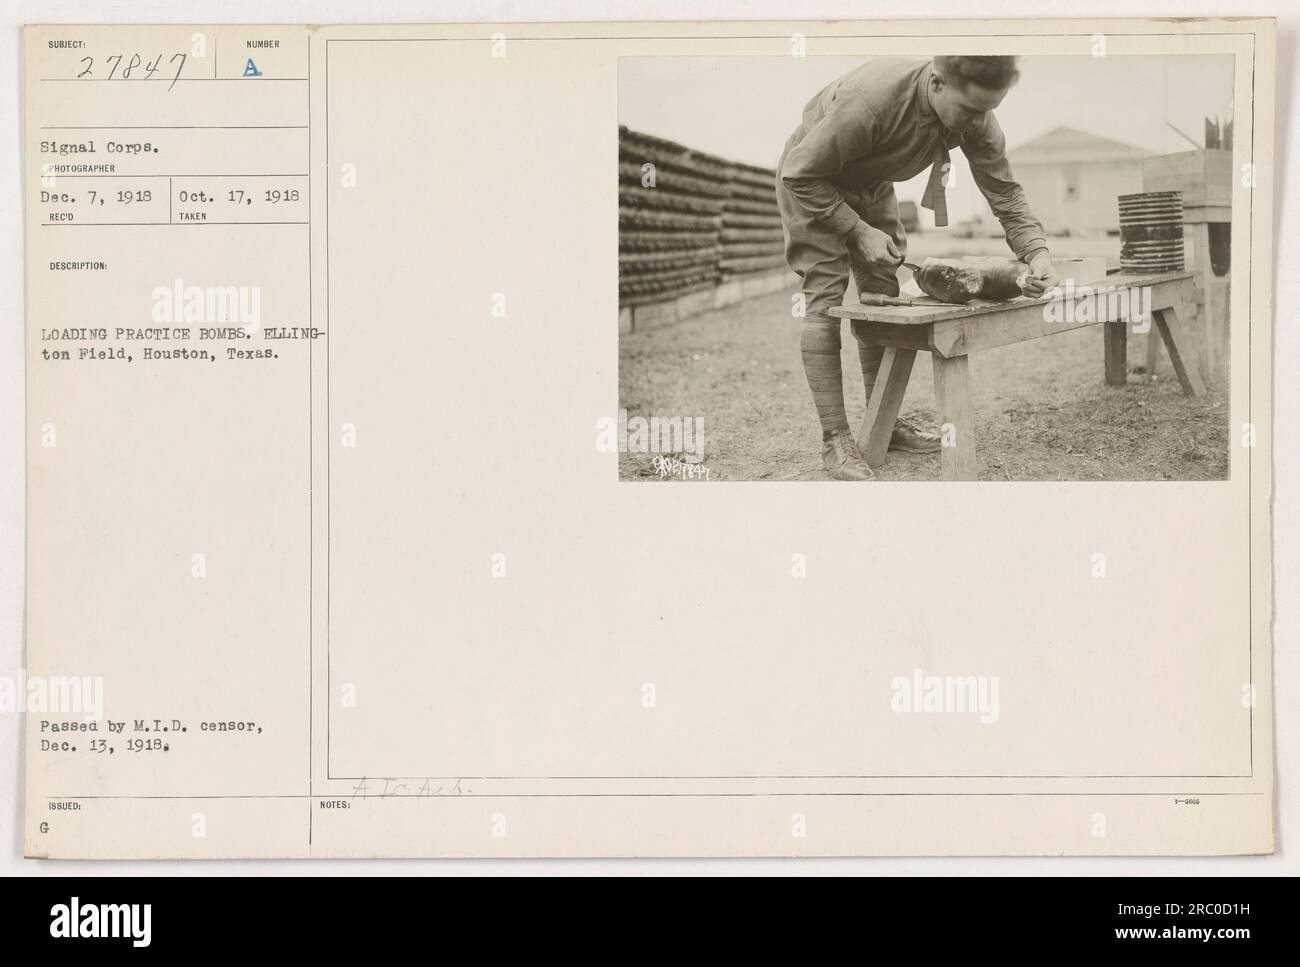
(134, 67)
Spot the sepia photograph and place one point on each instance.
(1050, 233)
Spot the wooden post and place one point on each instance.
(1225, 330)
(956, 417)
(883, 407)
(1205, 178)
(1204, 298)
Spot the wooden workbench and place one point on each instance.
(952, 333)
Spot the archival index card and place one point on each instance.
(500, 440)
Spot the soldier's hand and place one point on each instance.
(1042, 276)
(873, 246)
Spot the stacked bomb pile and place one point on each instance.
(670, 210)
(752, 240)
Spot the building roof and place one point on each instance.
(1067, 146)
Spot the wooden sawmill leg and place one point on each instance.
(956, 417)
(1181, 354)
(886, 400)
(1115, 337)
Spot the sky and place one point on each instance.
(744, 108)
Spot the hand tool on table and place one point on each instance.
(870, 299)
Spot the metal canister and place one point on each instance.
(1151, 231)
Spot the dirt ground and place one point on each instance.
(1043, 410)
